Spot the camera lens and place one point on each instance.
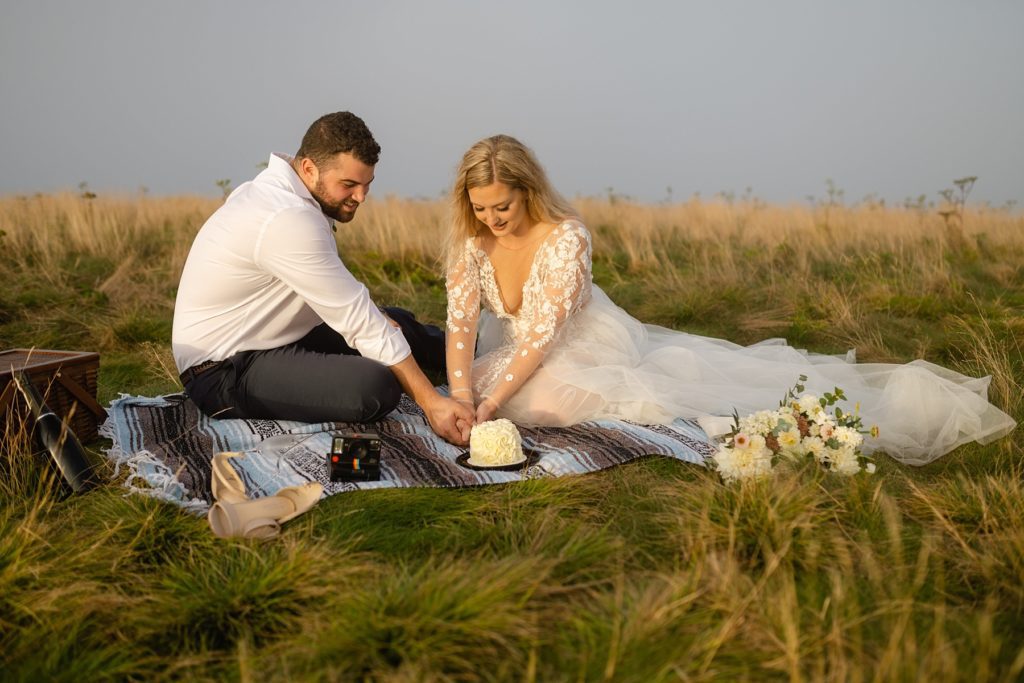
(359, 451)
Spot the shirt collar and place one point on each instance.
(279, 169)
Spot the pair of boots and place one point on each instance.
(235, 515)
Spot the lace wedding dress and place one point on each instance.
(570, 354)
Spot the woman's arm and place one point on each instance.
(463, 287)
(564, 291)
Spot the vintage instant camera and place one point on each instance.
(354, 456)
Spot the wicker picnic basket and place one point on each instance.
(67, 381)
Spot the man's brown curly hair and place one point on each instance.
(338, 133)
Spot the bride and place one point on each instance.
(531, 338)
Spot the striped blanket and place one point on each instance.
(167, 444)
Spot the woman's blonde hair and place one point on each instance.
(501, 159)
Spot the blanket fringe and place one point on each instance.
(158, 480)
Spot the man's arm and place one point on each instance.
(298, 249)
(450, 419)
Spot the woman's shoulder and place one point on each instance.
(571, 229)
(473, 244)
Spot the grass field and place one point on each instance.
(652, 571)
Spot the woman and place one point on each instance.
(532, 339)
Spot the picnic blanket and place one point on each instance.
(167, 444)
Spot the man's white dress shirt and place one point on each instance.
(264, 270)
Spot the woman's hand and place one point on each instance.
(486, 410)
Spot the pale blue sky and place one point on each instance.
(893, 98)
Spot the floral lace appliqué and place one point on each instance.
(557, 287)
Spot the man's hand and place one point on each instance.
(465, 427)
(450, 419)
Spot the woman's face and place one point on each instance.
(501, 208)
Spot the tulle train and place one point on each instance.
(608, 364)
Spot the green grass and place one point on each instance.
(652, 571)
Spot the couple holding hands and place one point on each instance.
(269, 323)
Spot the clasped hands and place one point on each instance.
(472, 414)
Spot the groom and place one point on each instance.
(268, 321)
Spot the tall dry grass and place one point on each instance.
(46, 229)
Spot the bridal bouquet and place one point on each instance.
(801, 426)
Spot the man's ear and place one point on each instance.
(308, 171)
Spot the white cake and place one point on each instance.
(495, 443)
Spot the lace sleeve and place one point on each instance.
(463, 285)
(560, 294)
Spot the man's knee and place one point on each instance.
(381, 394)
(426, 341)
(399, 315)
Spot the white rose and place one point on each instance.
(844, 461)
(808, 402)
(745, 463)
(848, 437)
(789, 440)
(813, 445)
(757, 443)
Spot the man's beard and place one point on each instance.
(336, 210)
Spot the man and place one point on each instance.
(268, 322)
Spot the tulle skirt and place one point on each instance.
(607, 364)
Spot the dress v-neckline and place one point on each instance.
(522, 293)
(529, 277)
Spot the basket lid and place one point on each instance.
(40, 360)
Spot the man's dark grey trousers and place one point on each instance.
(319, 378)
